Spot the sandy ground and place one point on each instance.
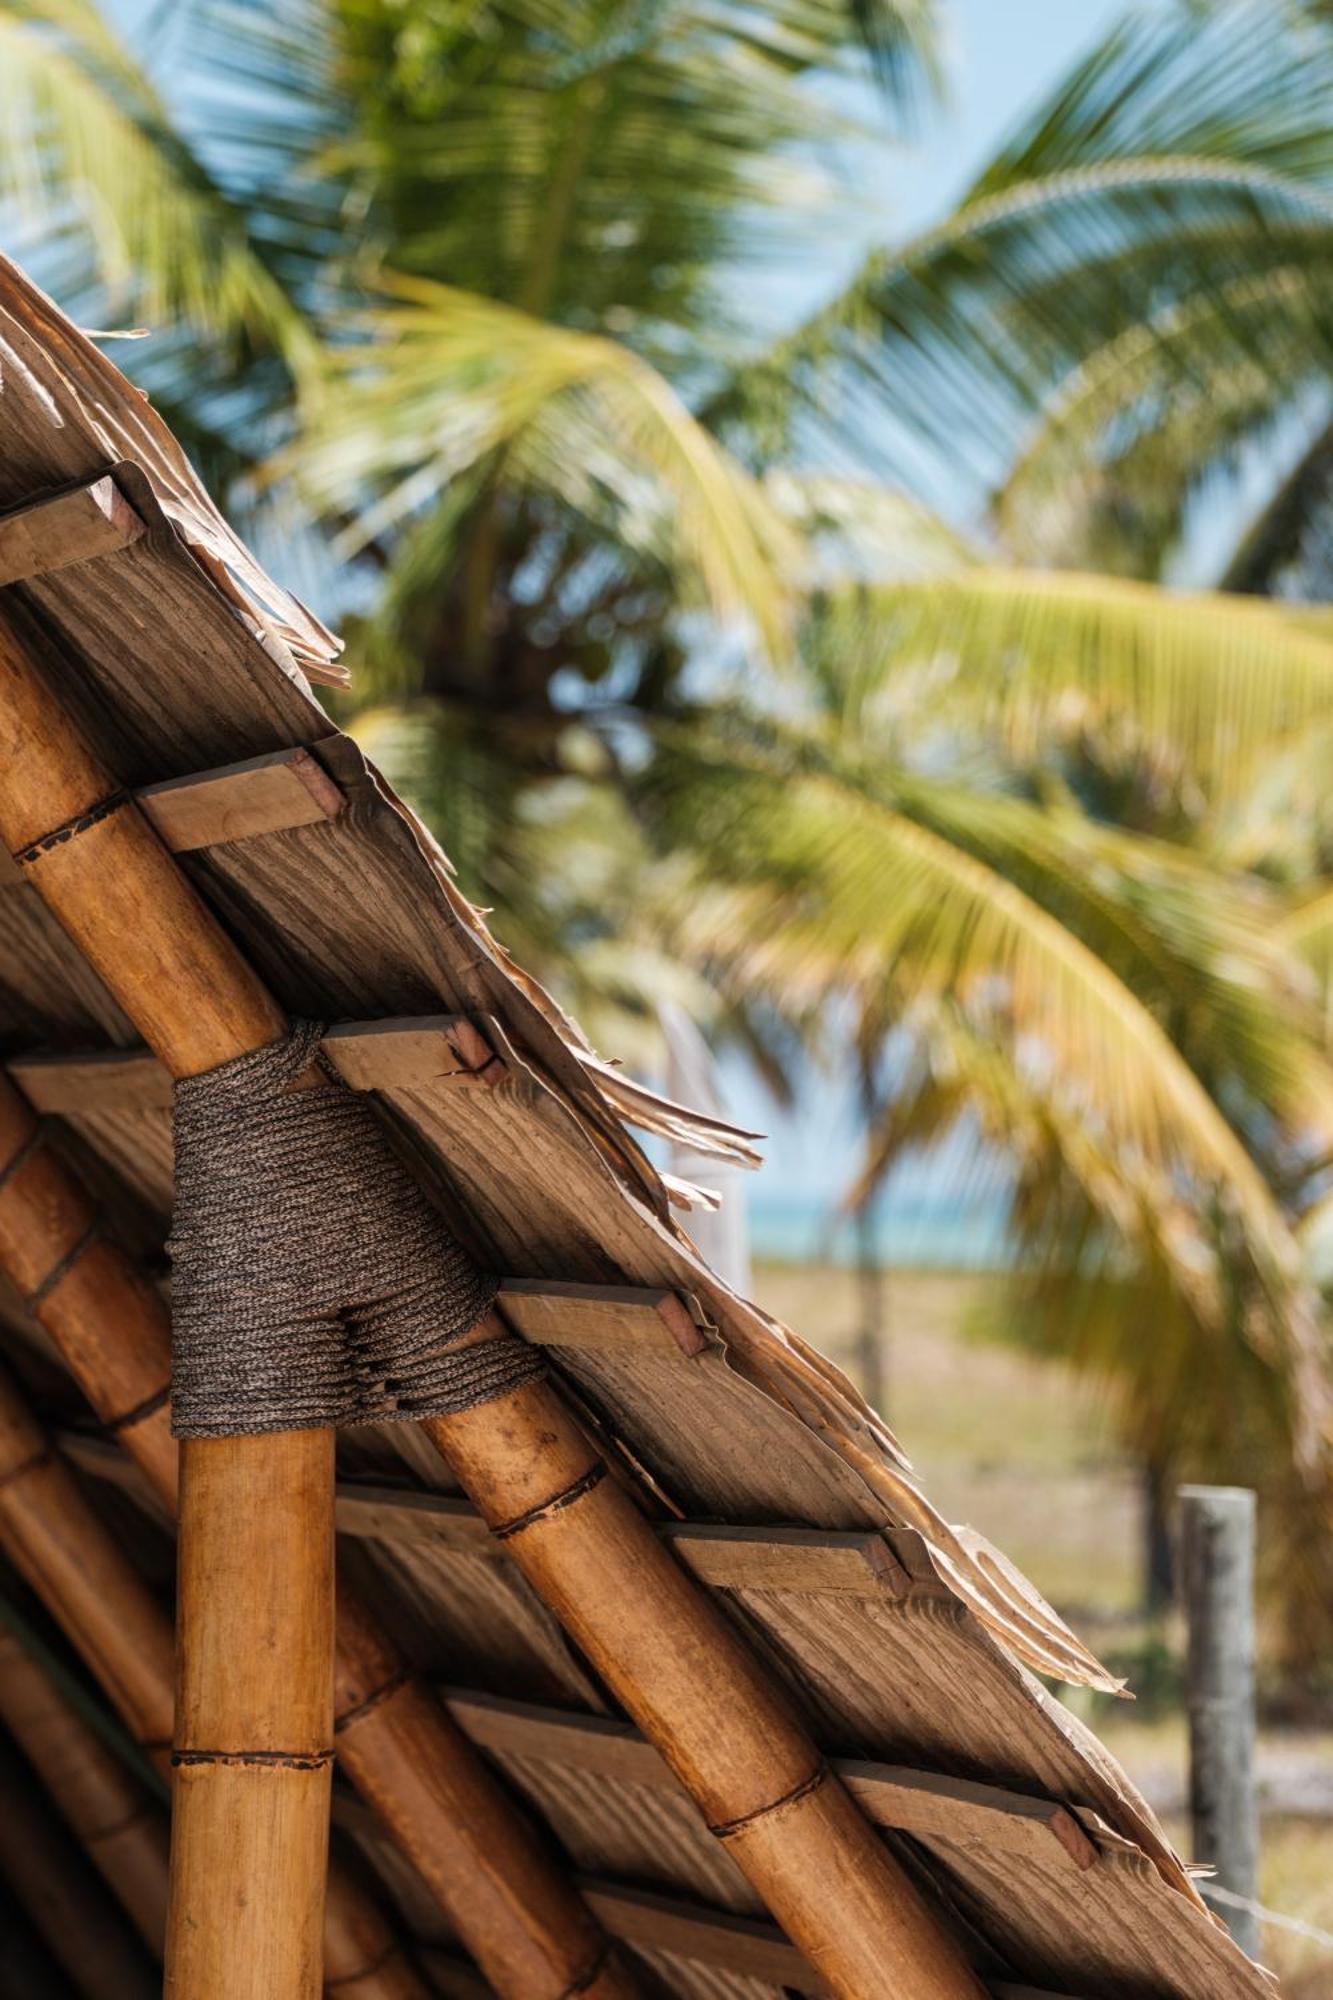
(1020, 1450)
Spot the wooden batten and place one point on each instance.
(87, 522)
(268, 794)
(925, 1804)
(610, 1317)
(510, 1903)
(414, 1053)
(119, 1824)
(858, 1561)
(41, 1862)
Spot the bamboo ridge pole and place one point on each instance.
(60, 1546)
(513, 1909)
(688, 1679)
(529, 1930)
(120, 1825)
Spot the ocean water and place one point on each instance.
(918, 1235)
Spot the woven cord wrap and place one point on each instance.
(313, 1283)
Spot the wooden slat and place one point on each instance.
(743, 1945)
(369, 1055)
(856, 1560)
(601, 1316)
(388, 1514)
(806, 1559)
(74, 527)
(108, 1080)
(462, 1982)
(925, 1804)
(268, 794)
(412, 1052)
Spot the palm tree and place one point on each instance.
(687, 680)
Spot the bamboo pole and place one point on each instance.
(256, 1695)
(674, 1660)
(59, 1544)
(512, 1908)
(254, 1739)
(119, 1824)
(122, 899)
(83, 1929)
(684, 1673)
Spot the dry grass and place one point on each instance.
(1019, 1449)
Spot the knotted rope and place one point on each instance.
(313, 1283)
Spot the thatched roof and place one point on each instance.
(911, 1644)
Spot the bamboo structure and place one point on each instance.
(512, 1907)
(57, 1542)
(120, 1826)
(255, 1700)
(83, 1929)
(254, 1737)
(686, 1676)
(784, 1541)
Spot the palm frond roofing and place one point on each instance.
(910, 1643)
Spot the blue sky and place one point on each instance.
(1002, 56)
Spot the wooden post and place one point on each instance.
(511, 1905)
(54, 1882)
(120, 1826)
(675, 1661)
(62, 1549)
(685, 1674)
(1217, 1524)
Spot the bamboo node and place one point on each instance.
(730, 1828)
(148, 1408)
(386, 1957)
(395, 1682)
(590, 1975)
(286, 1760)
(27, 1147)
(63, 1265)
(69, 829)
(32, 1463)
(555, 1505)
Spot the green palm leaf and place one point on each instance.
(812, 889)
(1206, 678)
(82, 130)
(444, 381)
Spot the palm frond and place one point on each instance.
(83, 133)
(1178, 153)
(1207, 679)
(1129, 439)
(1307, 931)
(443, 381)
(814, 889)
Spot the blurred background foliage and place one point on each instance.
(466, 309)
